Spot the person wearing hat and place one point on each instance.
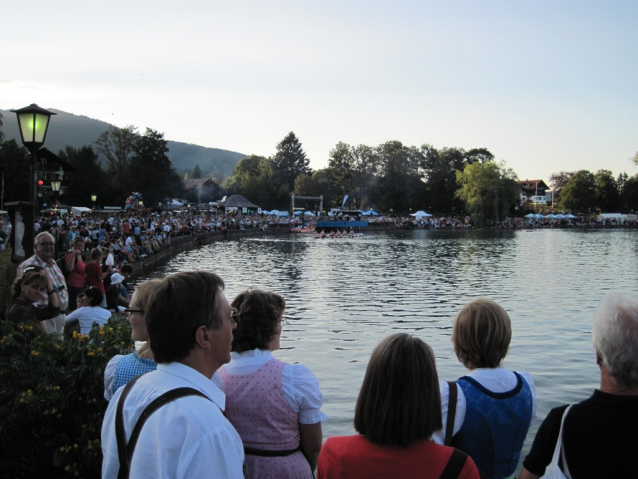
(113, 297)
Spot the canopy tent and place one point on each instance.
(283, 214)
(369, 213)
(309, 213)
(420, 214)
(264, 212)
(237, 201)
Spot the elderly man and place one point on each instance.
(599, 434)
(190, 328)
(43, 257)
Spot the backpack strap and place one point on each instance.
(124, 450)
(451, 412)
(454, 465)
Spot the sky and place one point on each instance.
(546, 86)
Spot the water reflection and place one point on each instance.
(344, 295)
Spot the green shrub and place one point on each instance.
(52, 399)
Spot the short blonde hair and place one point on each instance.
(481, 334)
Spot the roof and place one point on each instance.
(50, 157)
(197, 182)
(238, 201)
(533, 184)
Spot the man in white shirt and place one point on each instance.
(190, 328)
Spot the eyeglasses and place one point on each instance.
(128, 312)
(234, 313)
(46, 244)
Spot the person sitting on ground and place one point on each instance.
(114, 302)
(90, 314)
(281, 429)
(121, 369)
(495, 406)
(190, 328)
(26, 292)
(397, 411)
(598, 434)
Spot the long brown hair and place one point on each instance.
(400, 402)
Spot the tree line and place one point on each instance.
(388, 178)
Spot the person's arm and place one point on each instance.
(525, 474)
(311, 439)
(70, 261)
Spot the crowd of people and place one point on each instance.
(202, 393)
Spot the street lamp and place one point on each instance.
(34, 123)
(55, 187)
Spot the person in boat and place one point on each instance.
(332, 234)
(598, 434)
(275, 406)
(494, 406)
(351, 233)
(323, 234)
(398, 409)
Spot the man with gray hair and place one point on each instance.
(599, 436)
(169, 423)
(44, 248)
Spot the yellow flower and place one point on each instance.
(54, 410)
(35, 353)
(110, 330)
(75, 335)
(90, 353)
(99, 350)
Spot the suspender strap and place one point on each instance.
(124, 450)
(454, 465)
(451, 412)
(269, 453)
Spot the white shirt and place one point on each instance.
(299, 384)
(498, 380)
(87, 315)
(184, 439)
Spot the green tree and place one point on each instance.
(440, 168)
(630, 195)
(607, 193)
(488, 190)
(116, 148)
(399, 184)
(558, 181)
(579, 194)
(88, 178)
(481, 155)
(14, 163)
(633, 158)
(290, 161)
(1, 132)
(151, 171)
(197, 172)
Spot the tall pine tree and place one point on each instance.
(290, 161)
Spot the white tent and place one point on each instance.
(420, 214)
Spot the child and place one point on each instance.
(495, 406)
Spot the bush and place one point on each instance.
(52, 399)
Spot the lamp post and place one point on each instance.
(34, 123)
(55, 187)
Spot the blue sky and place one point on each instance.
(545, 85)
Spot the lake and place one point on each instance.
(345, 295)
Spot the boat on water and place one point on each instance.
(303, 229)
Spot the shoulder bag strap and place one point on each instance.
(127, 454)
(120, 435)
(559, 442)
(454, 465)
(451, 412)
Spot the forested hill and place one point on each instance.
(74, 130)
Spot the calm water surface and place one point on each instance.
(345, 295)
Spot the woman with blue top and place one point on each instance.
(494, 406)
(121, 369)
(274, 406)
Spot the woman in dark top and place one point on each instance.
(27, 291)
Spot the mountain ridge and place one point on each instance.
(79, 130)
